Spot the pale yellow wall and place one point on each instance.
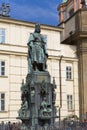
(15, 55)
(68, 87)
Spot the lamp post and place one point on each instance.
(60, 84)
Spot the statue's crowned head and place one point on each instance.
(37, 28)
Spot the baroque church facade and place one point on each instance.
(73, 18)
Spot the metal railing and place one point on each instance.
(70, 125)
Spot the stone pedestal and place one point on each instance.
(38, 109)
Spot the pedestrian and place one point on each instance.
(7, 126)
(2, 125)
(14, 126)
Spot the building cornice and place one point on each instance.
(5, 52)
(23, 52)
(64, 4)
(73, 39)
(28, 24)
(63, 58)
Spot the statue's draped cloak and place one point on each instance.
(37, 48)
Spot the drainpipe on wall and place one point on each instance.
(60, 87)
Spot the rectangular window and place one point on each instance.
(45, 39)
(2, 68)
(70, 102)
(68, 72)
(2, 101)
(2, 35)
(71, 12)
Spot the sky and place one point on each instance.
(37, 11)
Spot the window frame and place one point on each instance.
(69, 72)
(2, 68)
(70, 102)
(2, 35)
(2, 102)
(45, 37)
(71, 12)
